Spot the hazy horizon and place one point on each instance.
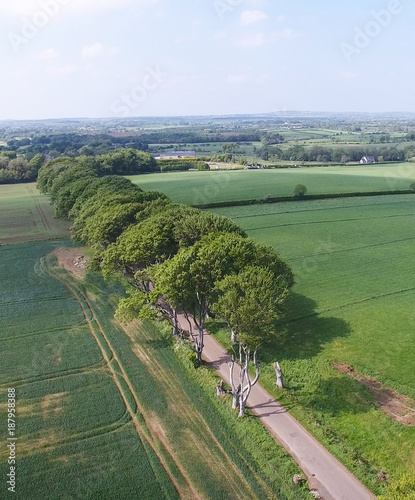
(158, 58)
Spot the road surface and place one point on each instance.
(324, 472)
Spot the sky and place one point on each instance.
(128, 58)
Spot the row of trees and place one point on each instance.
(14, 169)
(181, 263)
(337, 155)
(73, 144)
(130, 161)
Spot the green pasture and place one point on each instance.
(201, 188)
(352, 303)
(26, 215)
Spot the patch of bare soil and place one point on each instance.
(399, 408)
(73, 260)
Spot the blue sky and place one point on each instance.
(115, 58)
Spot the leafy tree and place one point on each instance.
(74, 172)
(67, 196)
(101, 189)
(19, 169)
(300, 191)
(109, 222)
(195, 224)
(201, 266)
(49, 172)
(249, 302)
(126, 162)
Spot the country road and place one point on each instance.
(324, 472)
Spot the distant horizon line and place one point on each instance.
(272, 114)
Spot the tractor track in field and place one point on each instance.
(42, 215)
(334, 221)
(158, 372)
(120, 377)
(51, 377)
(344, 306)
(354, 249)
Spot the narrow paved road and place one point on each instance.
(324, 472)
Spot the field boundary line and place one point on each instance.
(307, 197)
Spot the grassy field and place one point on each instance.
(26, 215)
(110, 411)
(353, 303)
(200, 188)
(115, 413)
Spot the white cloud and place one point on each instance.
(252, 16)
(48, 54)
(29, 7)
(61, 70)
(91, 51)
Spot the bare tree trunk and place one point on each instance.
(280, 376)
(246, 391)
(220, 388)
(242, 408)
(175, 323)
(235, 390)
(234, 337)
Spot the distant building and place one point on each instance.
(367, 160)
(177, 154)
(254, 167)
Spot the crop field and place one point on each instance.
(202, 188)
(112, 412)
(26, 215)
(352, 304)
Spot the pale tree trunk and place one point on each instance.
(244, 376)
(175, 323)
(280, 376)
(199, 318)
(234, 337)
(235, 390)
(241, 391)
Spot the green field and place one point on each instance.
(26, 215)
(201, 188)
(115, 412)
(353, 303)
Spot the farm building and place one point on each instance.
(367, 160)
(177, 154)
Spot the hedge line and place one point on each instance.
(309, 197)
